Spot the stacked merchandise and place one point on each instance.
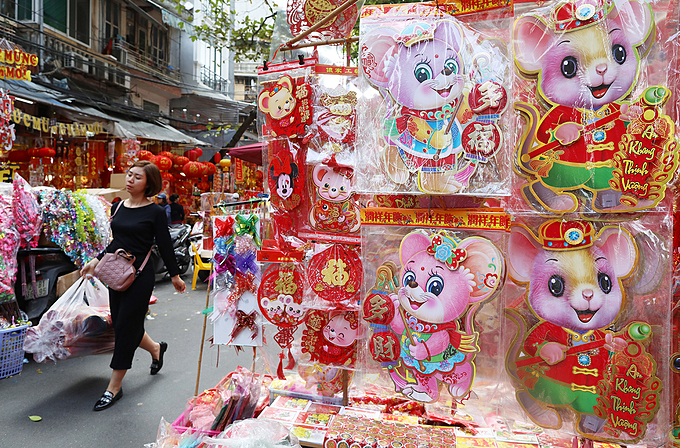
(505, 271)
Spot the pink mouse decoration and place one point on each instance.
(334, 209)
(574, 286)
(586, 57)
(443, 281)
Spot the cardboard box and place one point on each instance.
(66, 281)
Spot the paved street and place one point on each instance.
(64, 393)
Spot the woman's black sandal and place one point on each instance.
(157, 364)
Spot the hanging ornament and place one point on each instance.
(280, 300)
(335, 274)
(303, 14)
(331, 337)
(7, 134)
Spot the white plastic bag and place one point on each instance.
(79, 323)
(254, 433)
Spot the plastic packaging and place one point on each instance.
(594, 133)
(434, 91)
(254, 433)
(77, 324)
(27, 212)
(588, 329)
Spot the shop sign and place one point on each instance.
(7, 171)
(238, 171)
(18, 63)
(44, 124)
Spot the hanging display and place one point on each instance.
(582, 345)
(444, 90)
(596, 135)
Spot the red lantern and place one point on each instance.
(199, 151)
(167, 176)
(123, 161)
(33, 153)
(167, 154)
(192, 169)
(18, 156)
(163, 163)
(192, 155)
(145, 155)
(217, 157)
(47, 152)
(258, 175)
(204, 168)
(203, 186)
(179, 162)
(210, 169)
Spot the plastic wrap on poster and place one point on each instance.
(592, 101)
(303, 14)
(430, 288)
(335, 274)
(285, 100)
(588, 304)
(27, 212)
(434, 94)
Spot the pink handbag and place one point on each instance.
(116, 270)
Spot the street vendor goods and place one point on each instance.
(444, 89)
(423, 312)
(596, 132)
(585, 352)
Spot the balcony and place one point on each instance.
(212, 80)
(143, 60)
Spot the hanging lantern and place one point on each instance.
(163, 163)
(210, 169)
(192, 169)
(225, 163)
(145, 155)
(179, 162)
(47, 152)
(217, 157)
(167, 154)
(199, 151)
(167, 176)
(18, 156)
(203, 186)
(192, 155)
(33, 153)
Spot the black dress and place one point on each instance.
(134, 230)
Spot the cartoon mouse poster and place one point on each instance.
(287, 105)
(571, 352)
(586, 58)
(444, 96)
(424, 330)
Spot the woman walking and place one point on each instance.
(134, 228)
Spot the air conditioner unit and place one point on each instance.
(99, 69)
(121, 55)
(74, 60)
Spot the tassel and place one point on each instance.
(279, 370)
(291, 361)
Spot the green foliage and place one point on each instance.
(249, 39)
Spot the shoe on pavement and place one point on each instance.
(107, 400)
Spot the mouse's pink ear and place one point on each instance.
(635, 19)
(377, 48)
(485, 262)
(523, 248)
(532, 40)
(619, 248)
(413, 243)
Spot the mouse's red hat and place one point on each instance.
(576, 14)
(558, 234)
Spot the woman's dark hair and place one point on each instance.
(174, 197)
(154, 182)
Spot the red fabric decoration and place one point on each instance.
(335, 274)
(225, 226)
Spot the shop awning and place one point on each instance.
(143, 129)
(249, 153)
(30, 92)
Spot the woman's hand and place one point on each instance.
(88, 269)
(179, 285)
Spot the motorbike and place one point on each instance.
(48, 264)
(179, 234)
